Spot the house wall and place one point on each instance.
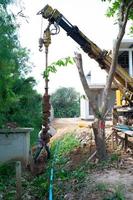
(86, 112)
(84, 108)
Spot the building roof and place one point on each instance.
(100, 86)
(126, 43)
(96, 86)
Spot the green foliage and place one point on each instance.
(4, 3)
(60, 63)
(65, 102)
(80, 173)
(40, 185)
(26, 101)
(61, 148)
(7, 179)
(119, 192)
(114, 157)
(66, 179)
(33, 187)
(6, 170)
(67, 144)
(114, 10)
(115, 5)
(19, 102)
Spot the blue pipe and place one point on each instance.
(52, 174)
(51, 184)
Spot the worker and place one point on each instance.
(42, 143)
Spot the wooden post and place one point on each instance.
(112, 143)
(115, 116)
(18, 180)
(126, 142)
(116, 138)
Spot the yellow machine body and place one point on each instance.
(118, 98)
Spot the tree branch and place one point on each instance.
(122, 7)
(130, 5)
(116, 47)
(78, 60)
(126, 13)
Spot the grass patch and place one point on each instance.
(118, 194)
(65, 178)
(110, 162)
(61, 149)
(110, 192)
(79, 173)
(102, 187)
(66, 145)
(7, 181)
(114, 157)
(40, 185)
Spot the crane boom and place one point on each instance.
(122, 79)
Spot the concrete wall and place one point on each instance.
(15, 145)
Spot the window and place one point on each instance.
(123, 60)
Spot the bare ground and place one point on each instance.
(118, 178)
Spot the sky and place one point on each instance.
(90, 18)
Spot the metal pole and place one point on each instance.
(46, 98)
(46, 66)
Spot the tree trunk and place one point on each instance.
(98, 125)
(99, 132)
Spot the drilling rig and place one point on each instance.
(122, 80)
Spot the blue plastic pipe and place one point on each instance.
(51, 184)
(52, 174)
